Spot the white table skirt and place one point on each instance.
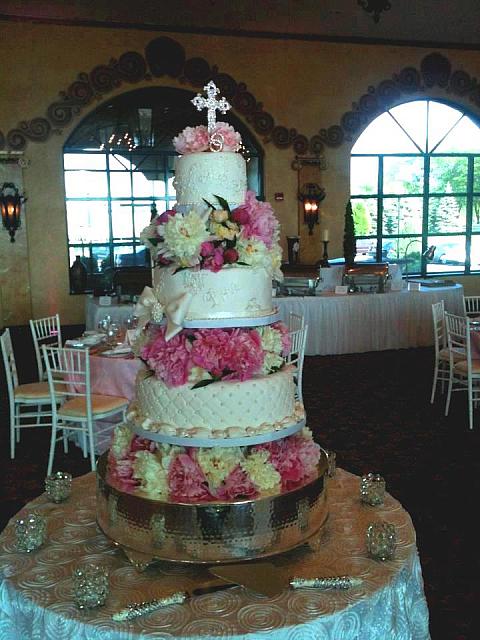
(36, 589)
(356, 323)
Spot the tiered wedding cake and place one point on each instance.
(214, 462)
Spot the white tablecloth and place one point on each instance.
(94, 312)
(36, 589)
(356, 323)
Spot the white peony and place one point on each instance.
(122, 437)
(183, 237)
(260, 471)
(216, 464)
(151, 473)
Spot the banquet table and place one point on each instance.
(360, 322)
(36, 589)
(94, 312)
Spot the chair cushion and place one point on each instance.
(100, 404)
(444, 354)
(32, 391)
(462, 367)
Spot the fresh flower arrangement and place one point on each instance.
(195, 139)
(246, 235)
(189, 474)
(203, 356)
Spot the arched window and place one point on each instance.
(119, 167)
(415, 182)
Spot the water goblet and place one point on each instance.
(58, 486)
(91, 585)
(30, 532)
(381, 540)
(112, 334)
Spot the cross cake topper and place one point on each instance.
(211, 104)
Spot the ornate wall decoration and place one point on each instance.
(375, 7)
(165, 56)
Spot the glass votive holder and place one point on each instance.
(30, 532)
(381, 540)
(58, 486)
(91, 585)
(331, 463)
(372, 489)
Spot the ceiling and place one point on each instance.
(419, 22)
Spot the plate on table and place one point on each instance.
(118, 352)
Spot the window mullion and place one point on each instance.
(380, 208)
(469, 214)
(426, 206)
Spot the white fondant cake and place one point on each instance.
(233, 292)
(200, 176)
(225, 409)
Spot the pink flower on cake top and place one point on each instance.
(197, 139)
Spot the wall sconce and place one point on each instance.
(311, 195)
(11, 206)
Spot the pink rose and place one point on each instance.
(214, 262)
(207, 249)
(240, 215)
(230, 256)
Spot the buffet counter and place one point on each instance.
(356, 323)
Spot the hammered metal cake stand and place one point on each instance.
(211, 532)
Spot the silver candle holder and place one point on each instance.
(372, 489)
(30, 532)
(91, 585)
(58, 486)
(381, 540)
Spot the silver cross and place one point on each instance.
(211, 104)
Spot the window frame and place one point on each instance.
(381, 196)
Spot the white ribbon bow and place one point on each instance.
(149, 308)
(145, 306)
(176, 311)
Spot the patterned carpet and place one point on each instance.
(373, 409)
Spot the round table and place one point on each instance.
(36, 589)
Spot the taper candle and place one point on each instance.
(325, 235)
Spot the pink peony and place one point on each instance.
(165, 216)
(171, 361)
(237, 485)
(232, 354)
(192, 139)
(142, 444)
(230, 256)
(285, 336)
(215, 261)
(231, 139)
(295, 458)
(262, 224)
(186, 481)
(120, 473)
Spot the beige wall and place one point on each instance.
(304, 85)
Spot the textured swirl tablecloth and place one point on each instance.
(36, 589)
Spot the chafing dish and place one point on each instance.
(370, 277)
(299, 280)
